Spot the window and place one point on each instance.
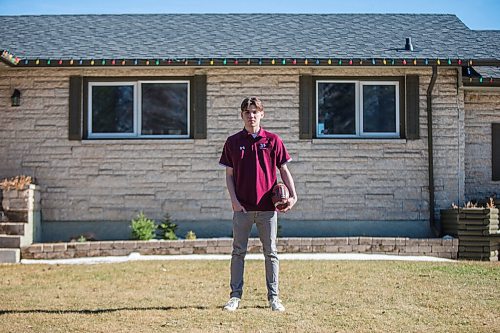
(352, 108)
(129, 109)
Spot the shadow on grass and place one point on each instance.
(98, 311)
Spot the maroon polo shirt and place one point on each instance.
(254, 162)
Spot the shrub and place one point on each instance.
(190, 235)
(143, 228)
(167, 228)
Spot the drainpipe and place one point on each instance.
(432, 220)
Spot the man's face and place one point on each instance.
(252, 117)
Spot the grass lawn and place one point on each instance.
(187, 296)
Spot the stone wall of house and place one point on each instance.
(482, 108)
(113, 180)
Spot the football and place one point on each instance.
(280, 196)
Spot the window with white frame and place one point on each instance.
(354, 108)
(128, 109)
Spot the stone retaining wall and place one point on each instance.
(436, 247)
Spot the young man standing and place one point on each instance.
(251, 157)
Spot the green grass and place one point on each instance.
(187, 296)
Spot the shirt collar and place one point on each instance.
(260, 134)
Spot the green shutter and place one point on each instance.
(75, 108)
(306, 111)
(412, 107)
(199, 107)
(495, 151)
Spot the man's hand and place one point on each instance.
(290, 203)
(237, 207)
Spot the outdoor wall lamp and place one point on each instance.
(16, 98)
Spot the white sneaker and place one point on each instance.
(232, 304)
(276, 305)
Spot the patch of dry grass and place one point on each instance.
(187, 296)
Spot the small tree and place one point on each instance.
(143, 228)
(167, 228)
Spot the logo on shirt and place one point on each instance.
(242, 147)
(262, 146)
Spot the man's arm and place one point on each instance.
(286, 176)
(237, 207)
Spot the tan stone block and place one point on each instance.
(401, 241)
(440, 248)
(319, 248)
(294, 241)
(411, 249)
(319, 241)
(424, 249)
(225, 249)
(353, 241)
(225, 243)
(106, 245)
(211, 250)
(60, 247)
(35, 248)
(82, 246)
(365, 240)
(306, 241)
(211, 242)
(187, 250)
(365, 248)
(305, 249)
(130, 245)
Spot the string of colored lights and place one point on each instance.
(14, 60)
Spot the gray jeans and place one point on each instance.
(267, 225)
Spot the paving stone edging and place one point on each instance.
(435, 247)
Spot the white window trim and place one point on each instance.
(358, 111)
(92, 135)
(136, 109)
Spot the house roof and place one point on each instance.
(280, 36)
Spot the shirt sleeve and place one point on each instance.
(282, 156)
(225, 158)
